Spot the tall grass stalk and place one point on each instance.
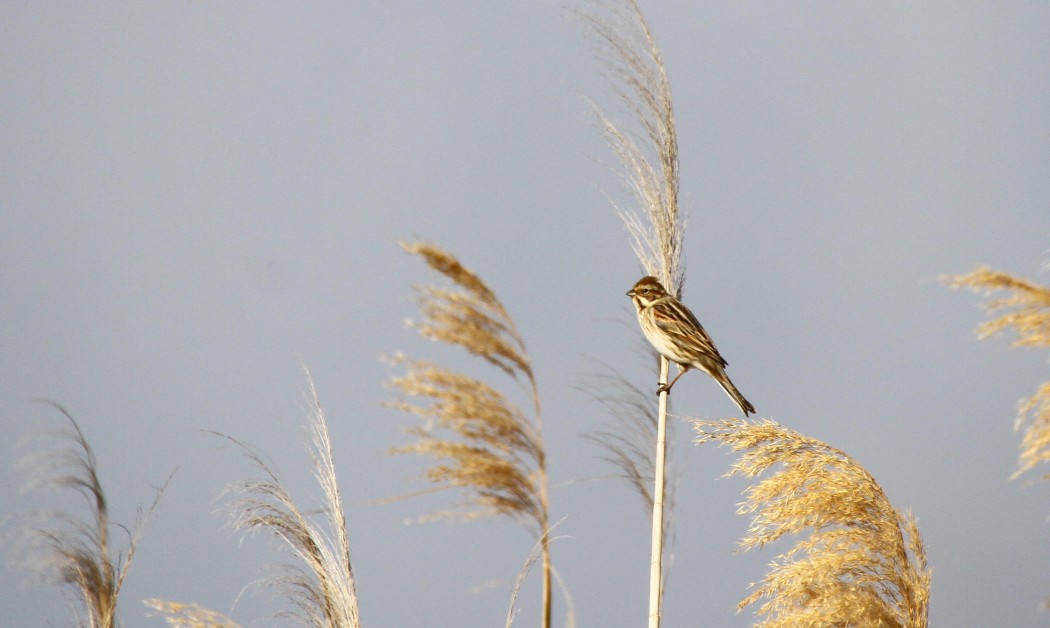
(483, 445)
(636, 73)
(1026, 310)
(325, 591)
(79, 553)
(863, 562)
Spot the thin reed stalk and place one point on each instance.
(656, 551)
(863, 562)
(79, 553)
(325, 591)
(637, 75)
(485, 446)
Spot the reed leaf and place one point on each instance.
(1026, 310)
(863, 562)
(535, 554)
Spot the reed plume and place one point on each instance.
(863, 562)
(1026, 310)
(636, 73)
(648, 153)
(483, 444)
(324, 592)
(189, 615)
(631, 435)
(75, 552)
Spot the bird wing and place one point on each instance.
(677, 321)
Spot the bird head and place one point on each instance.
(647, 290)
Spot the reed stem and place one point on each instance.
(656, 562)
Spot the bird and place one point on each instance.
(676, 334)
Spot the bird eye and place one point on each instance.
(645, 290)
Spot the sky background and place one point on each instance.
(198, 198)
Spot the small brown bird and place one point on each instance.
(676, 334)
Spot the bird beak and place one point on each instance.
(630, 293)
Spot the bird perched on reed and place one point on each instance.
(676, 334)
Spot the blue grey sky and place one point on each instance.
(196, 198)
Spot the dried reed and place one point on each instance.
(484, 444)
(190, 615)
(637, 75)
(324, 592)
(1027, 311)
(70, 551)
(863, 563)
(631, 436)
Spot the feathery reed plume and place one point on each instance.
(1027, 311)
(631, 436)
(1034, 418)
(486, 445)
(325, 591)
(76, 552)
(863, 563)
(190, 615)
(636, 73)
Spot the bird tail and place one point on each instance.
(734, 394)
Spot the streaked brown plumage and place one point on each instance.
(676, 334)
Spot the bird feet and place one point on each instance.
(663, 388)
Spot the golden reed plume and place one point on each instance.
(180, 615)
(483, 444)
(1026, 310)
(862, 563)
